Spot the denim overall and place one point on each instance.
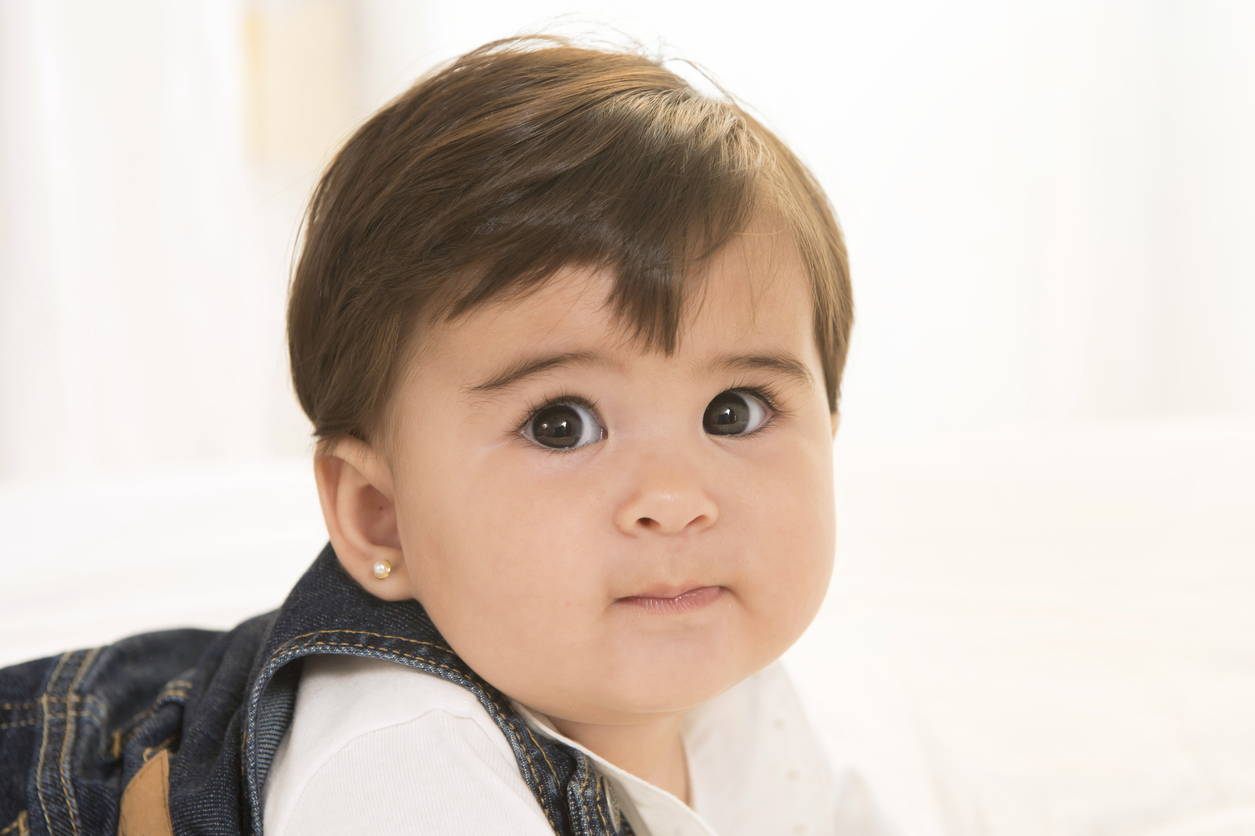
(174, 732)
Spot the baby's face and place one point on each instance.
(605, 532)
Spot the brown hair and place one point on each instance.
(513, 161)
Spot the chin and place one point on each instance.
(675, 686)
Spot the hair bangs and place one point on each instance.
(673, 179)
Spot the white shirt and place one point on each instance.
(377, 747)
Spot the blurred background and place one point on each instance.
(1043, 618)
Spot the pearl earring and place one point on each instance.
(382, 569)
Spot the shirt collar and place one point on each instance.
(649, 809)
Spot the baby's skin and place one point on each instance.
(608, 534)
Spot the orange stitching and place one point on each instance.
(121, 738)
(43, 744)
(94, 702)
(361, 633)
(529, 757)
(70, 730)
(584, 784)
(13, 706)
(42, 699)
(597, 806)
(19, 824)
(18, 725)
(530, 765)
(538, 746)
(73, 713)
(165, 744)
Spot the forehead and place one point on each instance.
(753, 292)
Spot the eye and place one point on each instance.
(735, 413)
(563, 426)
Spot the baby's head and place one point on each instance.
(571, 336)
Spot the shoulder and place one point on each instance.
(376, 746)
(342, 698)
(354, 693)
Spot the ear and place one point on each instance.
(356, 494)
(836, 422)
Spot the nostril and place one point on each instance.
(654, 511)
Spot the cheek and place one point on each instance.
(500, 551)
(790, 522)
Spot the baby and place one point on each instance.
(571, 337)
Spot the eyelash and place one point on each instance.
(768, 394)
(533, 407)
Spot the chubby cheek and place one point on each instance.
(508, 566)
(789, 517)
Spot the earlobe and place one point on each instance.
(836, 422)
(356, 493)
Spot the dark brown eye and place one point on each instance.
(734, 413)
(563, 426)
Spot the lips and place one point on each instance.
(664, 601)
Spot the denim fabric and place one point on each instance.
(75, 729)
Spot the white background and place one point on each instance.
(1041, 619)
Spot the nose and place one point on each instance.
(667, 498)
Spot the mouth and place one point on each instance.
(689, 600)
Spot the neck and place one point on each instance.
(652, 751)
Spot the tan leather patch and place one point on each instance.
(146, 800)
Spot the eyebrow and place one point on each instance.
(780, 363)
(529, 366)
